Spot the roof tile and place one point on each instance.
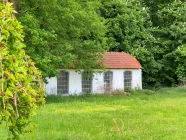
(120, 60)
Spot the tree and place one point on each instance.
(151, 30)
(129, 26)
(75, 34)
(63, 34)
(21, 89)
(168, 18)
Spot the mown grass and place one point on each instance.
(145, 115)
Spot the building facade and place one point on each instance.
(122, 71)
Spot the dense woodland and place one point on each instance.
(75, 33)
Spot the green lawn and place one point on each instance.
(157, 116)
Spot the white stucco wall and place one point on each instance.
(75, 82)
(137, 79)
(51, 86)
(98, 83)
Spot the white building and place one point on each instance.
(123, 71)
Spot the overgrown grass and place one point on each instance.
(145, 115)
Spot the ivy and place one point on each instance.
(21, 86)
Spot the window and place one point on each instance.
(63, 82)
(86, 82)
(108, 76)
(127, 79)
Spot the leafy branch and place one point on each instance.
(21, 90)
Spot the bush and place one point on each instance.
(21, 90)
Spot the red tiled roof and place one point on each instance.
(119, 60)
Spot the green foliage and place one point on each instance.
(181, 63)
(129, 31)
(169, 32)
(152, 31)
(126, 21)
(63, 34)
(21, 89)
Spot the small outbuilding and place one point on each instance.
(122, 71)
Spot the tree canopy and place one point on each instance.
(154, 32)
(169, 30)
(63, 34)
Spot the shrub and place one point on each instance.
(21, 86)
